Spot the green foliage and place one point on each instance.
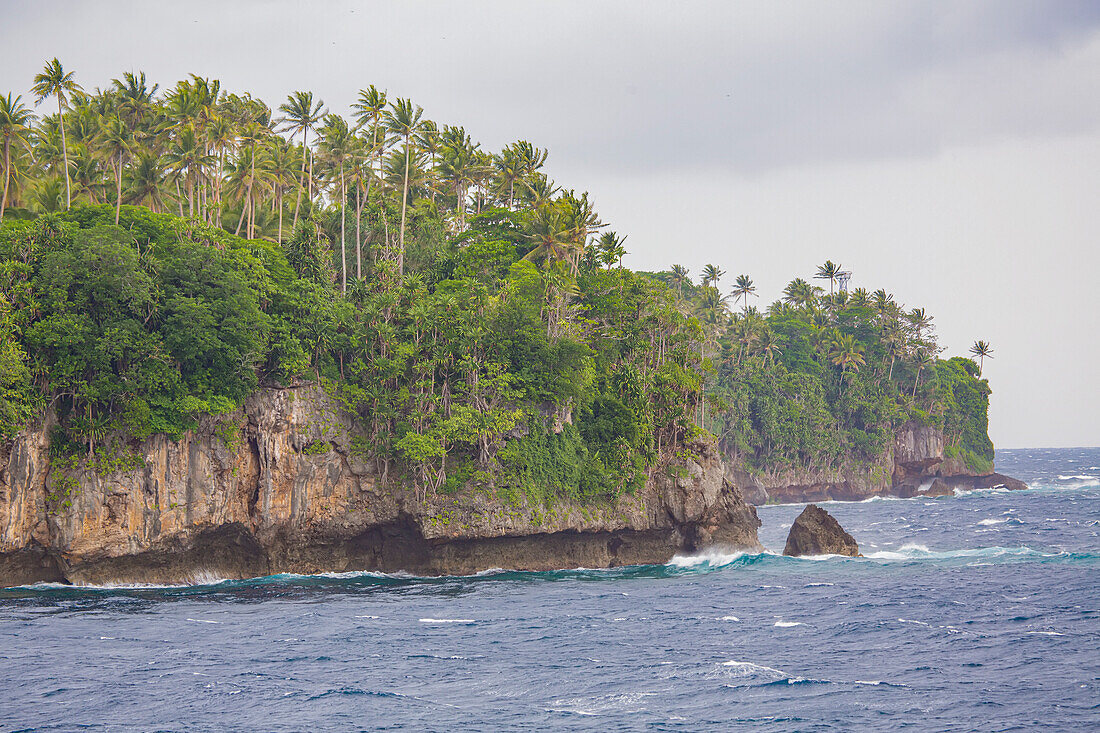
(447, 298)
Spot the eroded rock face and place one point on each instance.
(816, 532)
(278, 487)
(915, 465)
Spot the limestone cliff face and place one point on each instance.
(278, 487)
(914, 465)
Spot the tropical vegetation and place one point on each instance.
(165, 253)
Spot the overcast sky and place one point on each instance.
(949, 152)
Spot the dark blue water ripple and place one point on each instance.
(978, 612)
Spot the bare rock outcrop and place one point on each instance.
(915, 464)
(816, 532)
(281, 486)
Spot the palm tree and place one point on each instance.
(283, 159)
(403, 120)
(829, 271)
(743, 288)
(135, 97)
(53, 81)
(117, 142)
(800, 293)
(15, 123)
(768, 345)
(919, 320)
(679, 277)
(301, 114)
(457, 168)
(337, 144)
(923, 358)
(981, 349)
(550, 234)
(712, 274)
(846, 353)
(368, 113)
(146, 179)
(610, 249)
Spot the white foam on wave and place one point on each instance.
(788, 624)
(1078, 478)
(447, 621)
(748, 668)
(818, 585)
(709, 558)
(991, 522)
(203, 621)
(911, 621)
(727, 618)
(915, 551)
(1047, 633)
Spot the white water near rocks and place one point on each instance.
(969, 613)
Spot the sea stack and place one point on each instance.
(815, 532)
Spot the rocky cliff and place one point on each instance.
(279, 487)
(916, 464)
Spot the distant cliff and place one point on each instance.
(278, 487)
(916, 464)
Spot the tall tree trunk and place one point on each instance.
(404, 206)
(343, 222)
(358, 234)
(279, 203)
(7, 176)
(118, 190)
(218, 189)
(179, 197)
(64, 155)
(244, 210)
(301, 178)
(251, 188)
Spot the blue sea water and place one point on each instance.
(974, 613)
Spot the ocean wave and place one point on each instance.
(705, 562)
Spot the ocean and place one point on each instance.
(979, 612)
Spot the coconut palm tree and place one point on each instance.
(283, 160)
(403, 119)
(679, 277)
(54, 81)
(337, 146)
(15, 124)
(301, 114)
(712, 274)
(846, 353)
(135, 98)
(551, 236)
(457, 168)
(981, 349)
(922, 358)
(368, 113)
(768, 345)
(117, 144)
(743, 288)
(829, 271)
(610, 249)
(799, 293)
(146, 182)
(919, 320)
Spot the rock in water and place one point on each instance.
(815, 532)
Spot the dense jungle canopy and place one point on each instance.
(164, 253)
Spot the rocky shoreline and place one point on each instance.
(278, 487)
(916, 464)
